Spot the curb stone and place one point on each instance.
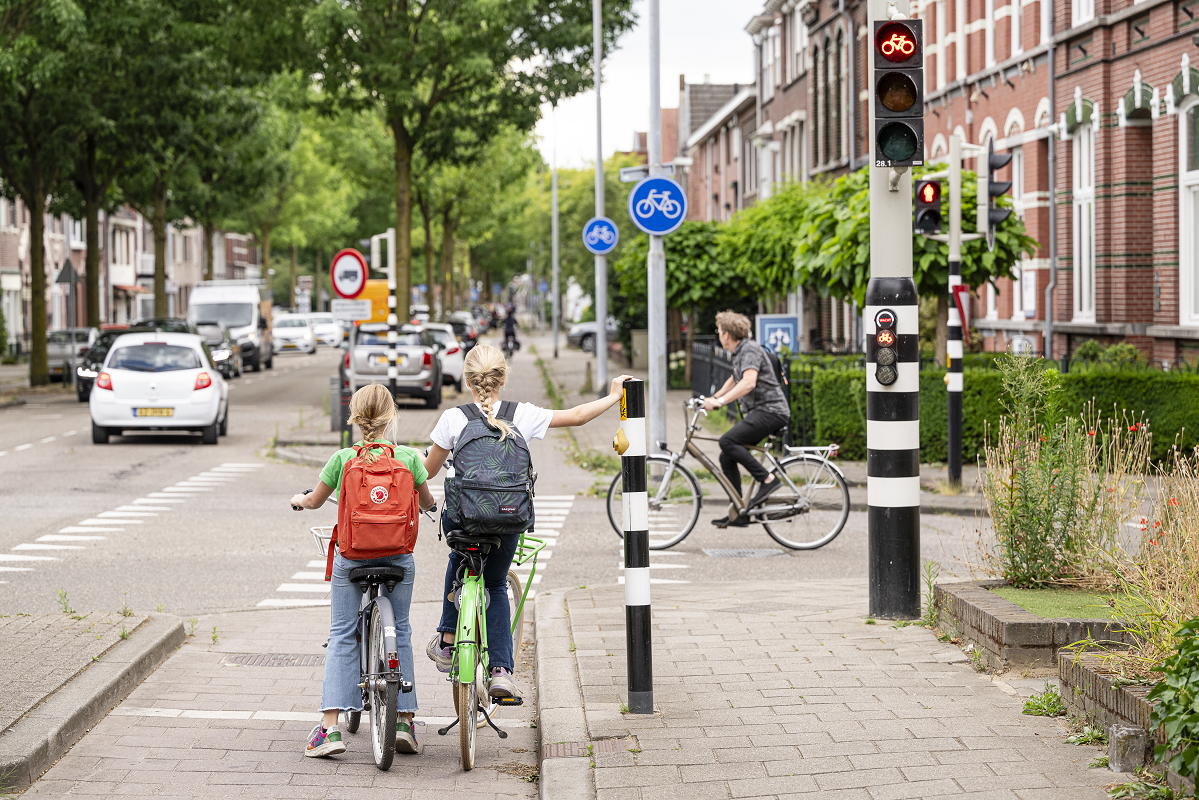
(46, 733)
(286, 454)
(559, 703)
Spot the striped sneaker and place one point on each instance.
(324, 742)
(405, 737)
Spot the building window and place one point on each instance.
(1084, 223)
(77, 232)
(989, 33)
(827, 148)
(1045, 9)
(1017, 27)
(941, 44)
(959, 44)
(776, 52)
(1081, 11)
(1189, 201)
(816, 126)
(800, 38)
(838, 128)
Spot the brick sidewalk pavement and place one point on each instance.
(784, 691)
(205, 726)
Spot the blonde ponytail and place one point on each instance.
(486, 371)
(373, 410)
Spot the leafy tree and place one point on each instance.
(38, 106)
(449, 74)
(759, 242)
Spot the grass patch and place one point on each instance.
(595, 461)
(1057, 603)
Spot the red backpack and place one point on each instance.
(377, 509)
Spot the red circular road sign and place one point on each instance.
(896, 42)
(348, 273)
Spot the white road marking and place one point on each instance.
(301, 587)
(69, 433)
(47, 547)
(97, 521)
(185, 489)
(273, 603)
(144, 508)
(7, 557)
(312, 564)
(23, 447)
(308, 576)
(47, 440)
(570, 497)
(46, 416)
(51, 537)
(3, 452)
(159, 497)
(90, 529)
(137, 512)
(16, 569)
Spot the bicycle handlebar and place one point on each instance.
(309, 491)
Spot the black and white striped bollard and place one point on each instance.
(893, 446)
(392, 319)
(953, 377)
(636, 548)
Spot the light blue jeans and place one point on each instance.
(342, 669)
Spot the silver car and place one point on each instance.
(418, 369)
(58, 349)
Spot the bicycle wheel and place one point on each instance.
(468, 722)
(383, 699)
(353, 718)
(827, 495)
(515, 590)
(675, 500)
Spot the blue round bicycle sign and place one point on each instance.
(600, 235)
(657, 205)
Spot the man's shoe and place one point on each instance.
(764, 491)
(501, 684)
(723, 522)
(405, 737)
(324, 742)
(440, 653)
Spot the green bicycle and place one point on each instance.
(470, 666)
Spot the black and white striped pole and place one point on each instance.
(953, 337)
(630, 443)
(891, 315)
(392, 319)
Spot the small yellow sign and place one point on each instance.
(624, 410)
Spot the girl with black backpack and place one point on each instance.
(486, 372)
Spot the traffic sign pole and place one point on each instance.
(892, 389)
(953, 339)
(656, 266)
(601, 261)
(554, 235)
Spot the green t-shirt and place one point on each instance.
(331, 474)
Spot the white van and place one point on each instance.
(244, 307)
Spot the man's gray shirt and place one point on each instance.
(767, 395)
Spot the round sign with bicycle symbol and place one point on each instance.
(600, 235)
(657, 205)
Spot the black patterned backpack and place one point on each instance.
(491, 491)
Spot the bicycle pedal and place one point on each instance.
(509, 701)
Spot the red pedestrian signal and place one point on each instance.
(886, 371)
(926, 212)
(930, 193)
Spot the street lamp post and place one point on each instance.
(601, 262)
(656, 266)
(554, 311)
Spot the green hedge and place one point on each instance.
(1170, 402)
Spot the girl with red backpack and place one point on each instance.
(486, 372)
(371, 467)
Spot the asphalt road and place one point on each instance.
(195, 529)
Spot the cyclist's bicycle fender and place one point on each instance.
(387, 617)
(467, 645)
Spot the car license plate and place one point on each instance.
(381, 361)
(153, 412)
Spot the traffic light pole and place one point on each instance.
(892, 409)
(601, 262)
(656, 265)
(953, 338)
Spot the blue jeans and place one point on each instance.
(342, 669)
(499, 617)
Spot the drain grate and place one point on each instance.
(742, 552)
(274, 660)
(579, 749)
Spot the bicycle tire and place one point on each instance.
(468, 723)
(353, 719)
(828, 514)
(515, 590)
(665, 535)
(383, 703)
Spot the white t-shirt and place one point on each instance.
(532, 422)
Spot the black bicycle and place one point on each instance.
(381, 680)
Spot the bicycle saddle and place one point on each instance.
(369, 576)
(463, 541)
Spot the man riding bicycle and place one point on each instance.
(510, 326)
(763, 405)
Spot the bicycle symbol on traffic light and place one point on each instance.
(898, 43)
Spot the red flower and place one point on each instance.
(1157, 524)
(1174, 501)
(1132, 427)
(1153, 542)
(1091, 433)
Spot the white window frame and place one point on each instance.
(1017, 18)
(941, 45)
(992, 302)
(801, 43)
(77, 232)
(776, 53)
(1188, 237)
(1018, 204)
(959, 44)
(1083, 223)
(1045, 9)
(1081, 11)
(989, 33)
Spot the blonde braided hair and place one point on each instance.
(373, 410)
(485, 371)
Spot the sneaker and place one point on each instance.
(324, 742)
(723, 522)
(405, 737)
(501, 684)
(440, 653)
(764, 491)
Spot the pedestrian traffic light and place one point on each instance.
(989, 215)
(898, 93)
(926, 213)
(886, 341)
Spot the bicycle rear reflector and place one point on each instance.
(885, 355)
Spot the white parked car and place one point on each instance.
(293, 334)
(159, 381)
(450, 351)
(326, 329)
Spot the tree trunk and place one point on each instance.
(942, 328)
(92, 261)
(265, 268)
(209, 237)
(447, 263)
(160, 249)
(429, 273)
(403, 219)
(39, 372)
(293, 257)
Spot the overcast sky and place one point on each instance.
(698, 37)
